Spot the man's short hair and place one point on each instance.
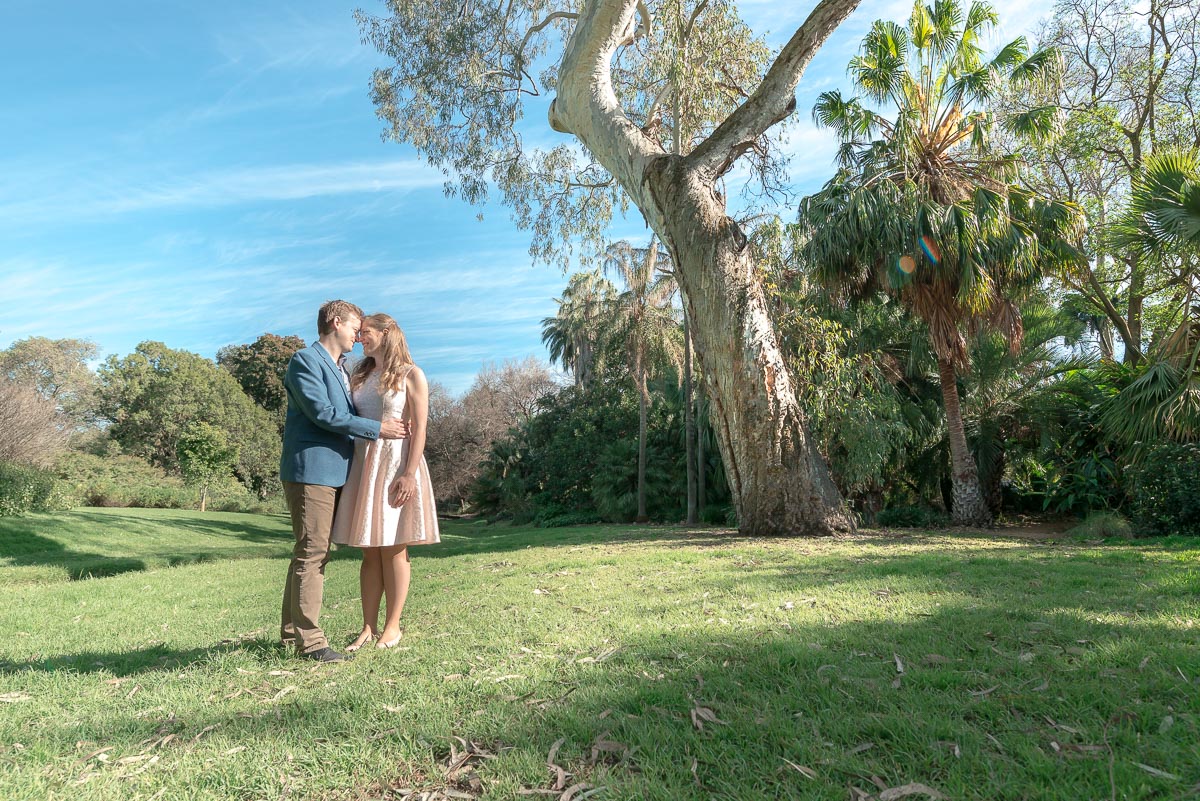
(335, 308)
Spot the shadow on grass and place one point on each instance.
(474, 538)
(150, 659)
(720, 713)
(245, 527)
(25, 545)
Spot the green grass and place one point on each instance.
(670, 665)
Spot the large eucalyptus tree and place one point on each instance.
(461, 77)
(922, 207)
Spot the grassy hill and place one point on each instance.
(610, 662)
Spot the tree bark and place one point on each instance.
(968, 507)
(1137, 296)
(779, 480)
(701, 469)
(689, 427)
(643, 405)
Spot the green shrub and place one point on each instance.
(1103, 524)
(30, 489)
(1165, 490)
(127, 481)
(910, 517)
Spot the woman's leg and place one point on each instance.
(370, 580)
(395, 585)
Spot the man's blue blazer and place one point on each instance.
(321, 424)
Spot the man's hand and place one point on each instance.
(393, 428)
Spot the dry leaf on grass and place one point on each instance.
(806, 772)
(703, 713)
(129, 760)
(953, 747)
(1162, 774)
(203, 732)
(560, 775)
(291, 688)
(570, 794)
(604, 746)
(915, 788)
(14, 697)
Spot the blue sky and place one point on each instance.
(201, 173)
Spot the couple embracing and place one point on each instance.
(354, 473)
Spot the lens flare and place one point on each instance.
(932, 251)
(907, 265)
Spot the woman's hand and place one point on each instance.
(402, 490)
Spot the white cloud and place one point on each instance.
(99, 195)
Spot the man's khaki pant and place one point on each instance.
(312, 508)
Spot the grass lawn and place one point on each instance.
(599, 662)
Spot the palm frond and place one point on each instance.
(1036, 67)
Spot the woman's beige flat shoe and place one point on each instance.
(390, 643)
(359, 643)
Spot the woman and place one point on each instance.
(387, 503)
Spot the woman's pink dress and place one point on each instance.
(364, 517)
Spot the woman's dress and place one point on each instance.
(365, 518)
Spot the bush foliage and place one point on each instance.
(1165, 494)
(124, 481)
(25, 489)
(575, 461)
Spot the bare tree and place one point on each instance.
(461, 430)
(33, 430)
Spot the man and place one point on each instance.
(318, 442)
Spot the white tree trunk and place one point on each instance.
(779, 480)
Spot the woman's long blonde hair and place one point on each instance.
(395, 356)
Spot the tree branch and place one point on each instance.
(520, 54)
(586, 104)
(775, 98)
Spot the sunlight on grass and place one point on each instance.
(670, 664)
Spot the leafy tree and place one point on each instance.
(573, 462)
(1006, 388)
(1128, 89)
(205, 456)
(643, 321)
(57, 369)
(457, 82)
(1162, 222)
(259, 368)
(573, 335)
(922, 209)
(852, 359)
(153, 394)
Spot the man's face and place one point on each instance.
(347, 331)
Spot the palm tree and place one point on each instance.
(1006, 390)
(573, 334)
(644, 320)
(923, 209)
(1162, 222)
